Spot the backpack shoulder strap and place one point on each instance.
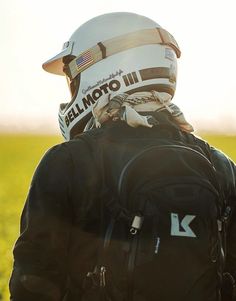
(196, 143)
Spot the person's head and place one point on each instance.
(112, 54)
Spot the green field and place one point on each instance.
(19, 156)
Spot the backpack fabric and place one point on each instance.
(163, 228)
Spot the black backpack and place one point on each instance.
(164, 235)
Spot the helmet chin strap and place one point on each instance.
(128, 108)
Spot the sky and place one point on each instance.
(33, 31)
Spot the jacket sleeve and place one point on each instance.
(226, 170)
(40, 253)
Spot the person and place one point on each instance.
(121, 70)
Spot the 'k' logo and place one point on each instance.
(177, 225)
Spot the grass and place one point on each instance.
(19, 156)
(225, 143)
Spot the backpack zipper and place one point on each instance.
(134, 231)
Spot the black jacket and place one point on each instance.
(60, 223)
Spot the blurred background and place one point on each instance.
(33, 31)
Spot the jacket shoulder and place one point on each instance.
(225, 167)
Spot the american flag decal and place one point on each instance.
(84, 61)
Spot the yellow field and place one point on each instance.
(19, 156)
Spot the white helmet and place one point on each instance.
(112, 54)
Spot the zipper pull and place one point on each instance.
(224, 218)
(226, 213)
(136, 224)
(220, 225)
(102, 276)
(157, 245)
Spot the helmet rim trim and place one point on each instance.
(55, 64)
